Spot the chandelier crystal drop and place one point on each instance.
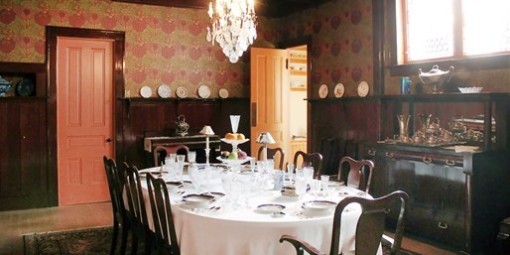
(233, 26)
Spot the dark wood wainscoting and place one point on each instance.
(339, 126)
(156, 117)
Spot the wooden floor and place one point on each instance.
(14, 224)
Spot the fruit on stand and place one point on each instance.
(241, 154)
(235, 136)
(232, 156)
(225, 154)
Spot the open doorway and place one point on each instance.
(298, 85)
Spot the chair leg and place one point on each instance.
(124, 239)
(134, 242)
(114, 237)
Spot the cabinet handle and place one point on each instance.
(442, 225)
(389, 154)
(23, 137)
(426, 160)
(371, 152)
(450, 162)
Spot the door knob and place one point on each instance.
(109, 140)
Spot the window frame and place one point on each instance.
(469, 63)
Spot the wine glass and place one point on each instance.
(192, 157)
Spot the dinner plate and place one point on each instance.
(323, 91)
(269, 208)
(318, 207)
(181, 92)
(164, 91)
(363, 89)
(146, 91)
(204, 91)
(197, 200)
(223, 93)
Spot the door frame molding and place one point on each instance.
(308, 41)
(52, 34)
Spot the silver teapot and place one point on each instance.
(435, 77)
(181, 127)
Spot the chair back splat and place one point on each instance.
(274, 153)
(314, 159)
(137, 213)
(356, 173)
(120, 218)
(161, 151)
(370, 228)
(166, 237)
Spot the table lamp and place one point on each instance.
(207, 131)
(265, 138)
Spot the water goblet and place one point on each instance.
(253, 161)
(179, 166)
(192, 157)
(324, 184)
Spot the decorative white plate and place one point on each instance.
(339, 90)
(270, 208)
(204, 91)
(181, 92)
(164, 91)
(223, 93)
(323, 91)
(146, 91)
(363, 89)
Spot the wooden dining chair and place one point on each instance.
(275, 153)
(369, 229)
(120, 218)
(356, 173)
(313, 159)
(137, 213)
(166, 237)
(161, 151)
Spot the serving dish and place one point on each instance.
(470, 89)
(204, 91)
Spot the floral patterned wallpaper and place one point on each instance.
(167, 45)
(342, 43)
(163, 44)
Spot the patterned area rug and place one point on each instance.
(85, 241)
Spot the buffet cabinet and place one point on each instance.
(458, 191)
(456, 198)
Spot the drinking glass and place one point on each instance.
(300, 182)
(170, 165)
(192, 157)
(290, 172)
(253, 161)
(324, 184)
(179, 166)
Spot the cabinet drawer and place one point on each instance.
(444, 226)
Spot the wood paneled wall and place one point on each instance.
(157, 117)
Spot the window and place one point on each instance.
(432, 30)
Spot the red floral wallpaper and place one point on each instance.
(167, 45)
(163, 44)
(342, 43)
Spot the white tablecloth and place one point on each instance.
(234, 231)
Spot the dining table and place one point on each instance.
(243, 214)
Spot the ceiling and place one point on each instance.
(268, 8)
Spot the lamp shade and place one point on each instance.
(265, 137)
(207, 130)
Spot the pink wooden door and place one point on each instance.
(84, 118)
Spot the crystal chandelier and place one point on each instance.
(233, 25)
